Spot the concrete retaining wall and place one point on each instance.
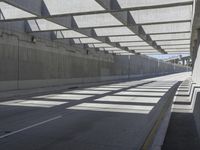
(196, 68)
(25, 64)
(196, 111)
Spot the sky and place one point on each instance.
(166, 56)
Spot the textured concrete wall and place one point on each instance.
(196, 111)
(24, 64)
(195, 42)
(196, 68)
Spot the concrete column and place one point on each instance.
(183, 61)
(195, 48)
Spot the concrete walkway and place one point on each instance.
(108, 117)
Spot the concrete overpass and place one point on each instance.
(187, 61)
(79, 75)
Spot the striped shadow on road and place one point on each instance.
(32, 103)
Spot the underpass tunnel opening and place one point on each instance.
(104, 57)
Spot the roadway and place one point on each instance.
(116, 116)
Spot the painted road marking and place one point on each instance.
(29, 127)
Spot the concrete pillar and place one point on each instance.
(183, 61)
(195, 48)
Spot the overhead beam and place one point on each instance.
(127, 19)
(38, 8)
(32, 6)
(70, 42)
(169, 33)
(69, 22)
(173, 39)
(91, 33)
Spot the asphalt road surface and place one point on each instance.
(115, 116)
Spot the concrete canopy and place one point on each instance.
(68, 34)
(131, 38)
(175, 42)
(126, 25)
(160, 15)
(129, 44)
(73, 6)
(114, 31)
(150, 3)
(173, 36)
(44, 25)
(11, 12)
(86, 40)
